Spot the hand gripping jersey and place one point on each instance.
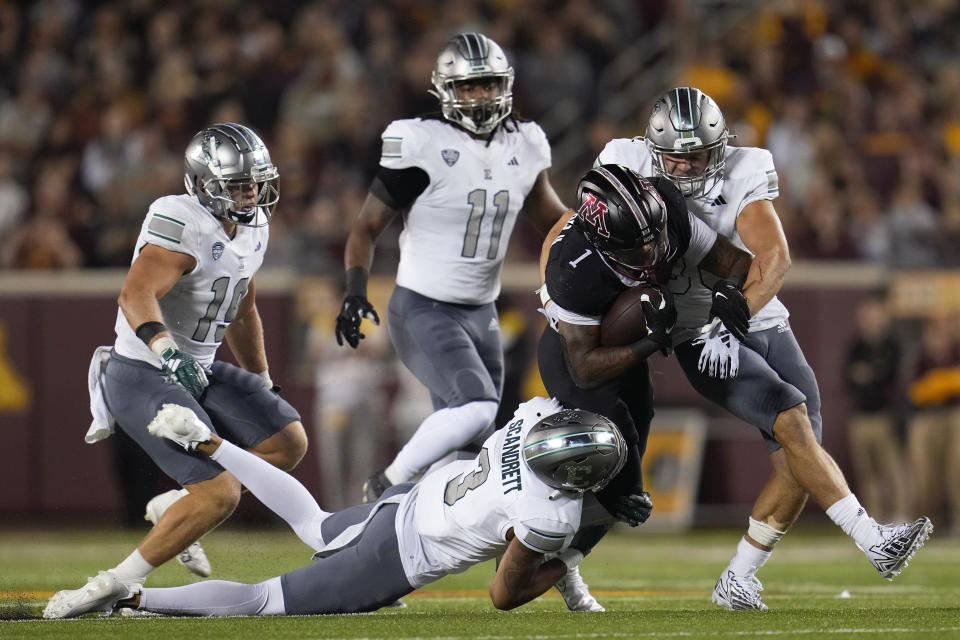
(459, 514)
(748, 176)
(582, 286)
(201, 305)
(456, 232)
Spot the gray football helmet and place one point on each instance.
(470, 56)
(686, 120)
(575, 450)
(221, 163)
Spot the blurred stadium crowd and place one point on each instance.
(856, 99)
(859, 101)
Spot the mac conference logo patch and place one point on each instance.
(217, 250)
(450, 156)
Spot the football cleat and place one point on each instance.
(575, 592)
(738, 593)
(101, 593)
(897, 546)
(179, 424)
(374, 486)
(194, 558)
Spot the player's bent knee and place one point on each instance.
(792, 427)
(286, 448)
(294, 445)
(219, 495)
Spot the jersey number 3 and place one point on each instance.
(219, 288)
(478, 207)
(458, 487)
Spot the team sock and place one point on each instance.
(443, 431)
(748, 559)
(278, 490)
(134, 568)
(854, 520)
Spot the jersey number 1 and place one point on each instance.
(219, 288)
(478, 207)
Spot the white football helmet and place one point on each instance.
(686, 120)
(471, 56)
(222, 162)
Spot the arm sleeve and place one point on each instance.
(398, 188)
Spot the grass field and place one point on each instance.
(653, 585)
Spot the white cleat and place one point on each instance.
(898, 544)
(575, 592)
(738, 593)
(180, 424)
(194, 558)
(101, 593)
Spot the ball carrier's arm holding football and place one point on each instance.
(627, 233)
(459, 178)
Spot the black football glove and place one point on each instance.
(660, 319)
(634, 509)
(354, 309)
(731, 307)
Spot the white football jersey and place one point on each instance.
(459, 515)
(748, 176)
(455, 234)
(201, 305)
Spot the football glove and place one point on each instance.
(731, 307)
(634, 508)
(660, 319)
(184, 369)
(720, 356)
(355, 308)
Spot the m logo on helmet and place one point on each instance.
(593, 211)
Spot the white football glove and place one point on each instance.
(720, 357)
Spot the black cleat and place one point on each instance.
(374, 486)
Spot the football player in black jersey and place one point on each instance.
(627, 230)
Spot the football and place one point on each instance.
(624, 323)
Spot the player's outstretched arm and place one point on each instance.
(523, 575)
(548, 213)
(761, 232)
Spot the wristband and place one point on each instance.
(162, 344)
(149, 330)
(267, 382)
(356, 284)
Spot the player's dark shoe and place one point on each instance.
(898, 544)
(374, 486)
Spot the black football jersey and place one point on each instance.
(580, 281)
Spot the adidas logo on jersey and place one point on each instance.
(782, 327)
(513, 162)
(719, 201)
